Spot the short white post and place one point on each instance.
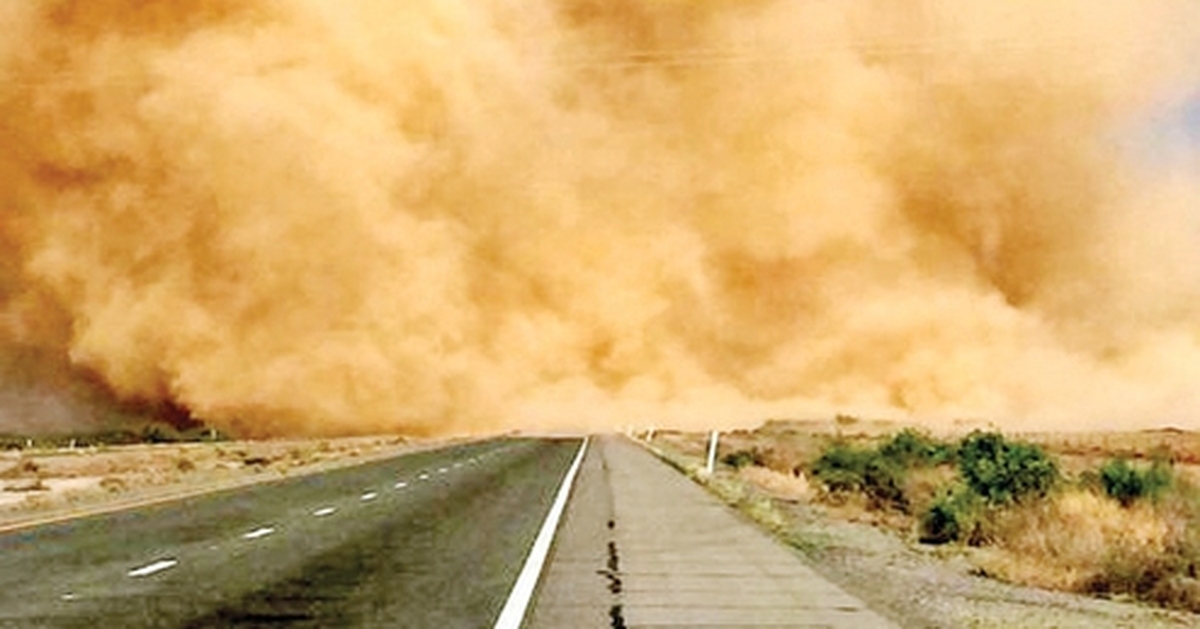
(712, 453)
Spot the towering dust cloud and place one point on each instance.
(301, 216)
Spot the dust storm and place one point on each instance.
(444, 216)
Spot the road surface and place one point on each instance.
(643, 547)
(431, 539)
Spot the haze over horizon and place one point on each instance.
(299, 217)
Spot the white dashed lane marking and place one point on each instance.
(149, 569)
(259, 532)
(167, 564)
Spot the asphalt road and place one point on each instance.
(431, 539)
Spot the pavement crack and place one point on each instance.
(612, 571)
(616, 617)
(616, 613)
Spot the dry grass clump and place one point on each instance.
(1069, 540)
(1082, 541)
(24, 469)
(784, 486)
(112, 484)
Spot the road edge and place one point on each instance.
(512, 616)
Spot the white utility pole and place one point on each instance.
(712, 453)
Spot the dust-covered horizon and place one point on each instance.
(444, 216)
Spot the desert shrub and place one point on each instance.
(1166, 573)
(1076, 540)
(1126, 484)
(743, 458)
(9, 442)
(112, 484)
(33, 484)
(1003, 472)
(1177, 591)
(1158, 579)
(883, 481)
(842, 468)
(911, 448)
(155, 433)
(953, 517)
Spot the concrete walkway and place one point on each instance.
(642, 546)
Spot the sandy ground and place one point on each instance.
(39, 485)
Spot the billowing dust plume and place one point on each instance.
(303, 216)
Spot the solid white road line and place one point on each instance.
(320, 513)
(149, 569)
(370, 495)
(259, 532)
(513, 613)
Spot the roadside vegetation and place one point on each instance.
(51, 476)
(1122, 524)
(148, 433)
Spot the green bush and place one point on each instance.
(1127, 484)
(950, 518)
(883, 482)
(841, 467)
(910, 448)
(1002, 472)
(743, 458)
(844, 468)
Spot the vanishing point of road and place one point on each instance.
(430, 539)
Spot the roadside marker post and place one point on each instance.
(712, 454)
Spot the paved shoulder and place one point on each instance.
(642, 546)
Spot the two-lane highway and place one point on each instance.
(431, 539)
